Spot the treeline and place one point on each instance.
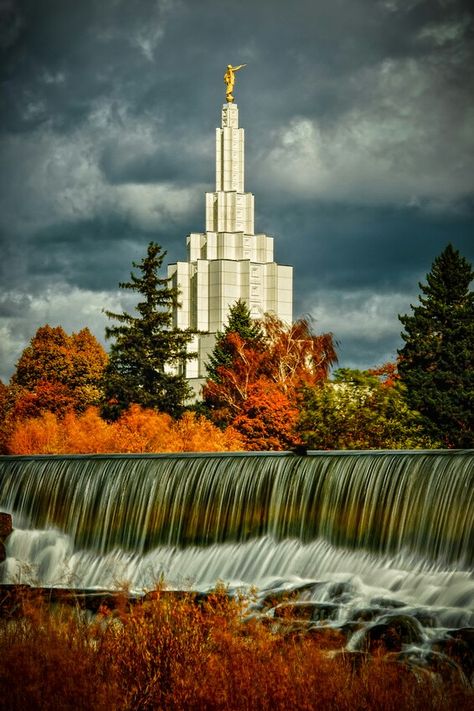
(270, 386)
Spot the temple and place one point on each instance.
(228, 261)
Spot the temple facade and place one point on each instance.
(229, 261)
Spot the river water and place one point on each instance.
(378, 530)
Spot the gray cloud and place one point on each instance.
(358, 119)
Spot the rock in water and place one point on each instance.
(392, 632)
(6, 526)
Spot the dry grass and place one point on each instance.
(173, 653)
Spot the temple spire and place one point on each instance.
(230, 208)
(230, 151)
(227, 261)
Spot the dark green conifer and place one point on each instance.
(240, 322)
(436, 363)
(148, 354)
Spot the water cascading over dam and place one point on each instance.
(383, 522)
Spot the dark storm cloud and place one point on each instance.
(167, 164)
(350, 247)
(89, 255)
(359, 146)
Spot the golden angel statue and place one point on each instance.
(229, 80)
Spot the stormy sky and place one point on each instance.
(359, 127)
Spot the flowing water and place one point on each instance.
(379, 529)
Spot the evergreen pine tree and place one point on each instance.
(436, 362)
(240, 322)
(146, 358)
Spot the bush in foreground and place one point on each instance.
(171, 653)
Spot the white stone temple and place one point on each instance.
(228, 261)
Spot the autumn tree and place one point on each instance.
(267, 418)
(288, 356)
(148, 354)
(37, 435)
(58, 373)
(359, 410)
(3, 396)
(387, 374)
(143, 430)
(272, 368)
(194, 433)
(297, 356)
(436, 364)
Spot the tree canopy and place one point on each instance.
(255, 386)
(58, 373)
(358, 410)
(436, 364)
(146, 363)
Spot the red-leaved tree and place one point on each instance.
(257, 389)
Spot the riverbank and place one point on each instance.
(182, 651)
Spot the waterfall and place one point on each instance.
(384, 518)
(378, 501)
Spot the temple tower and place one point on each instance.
(228, 261)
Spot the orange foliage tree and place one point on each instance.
(224, 395)
(58, 373)
(197, 434)
(387, 374)
(143, 430)
(46, 396)
(85, 433)
(296, 356)
(257, 389)
(37, 435)
(267, 419)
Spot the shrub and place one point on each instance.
(175, 652)
(137, 430)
